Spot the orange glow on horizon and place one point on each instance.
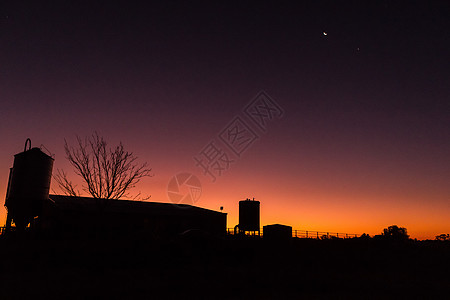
(311, 209)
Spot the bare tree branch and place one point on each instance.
(107, 173)
(65, 184)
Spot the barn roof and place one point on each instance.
(87, 204)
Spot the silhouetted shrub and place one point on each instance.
(365, 236)
(395, 233)
(443, 237)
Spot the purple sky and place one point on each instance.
(364, 137)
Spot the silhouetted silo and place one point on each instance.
(28, 185)
(249, 215)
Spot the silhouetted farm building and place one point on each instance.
(75, 215)
(28, 202)
(277, 232)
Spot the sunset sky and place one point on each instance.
(361, 141)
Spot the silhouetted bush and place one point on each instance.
(443, 237)
(365, 236)
(395, 233)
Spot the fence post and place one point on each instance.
(306, 233)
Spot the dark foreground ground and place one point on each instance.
(228, 268)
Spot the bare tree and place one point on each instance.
(107, 173)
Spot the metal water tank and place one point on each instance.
(28, 185)
(277, 232)
(249, 215)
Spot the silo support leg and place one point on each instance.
(8, 223)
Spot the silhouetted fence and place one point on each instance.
(306, 234)
(295, 233)
(321, 234)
